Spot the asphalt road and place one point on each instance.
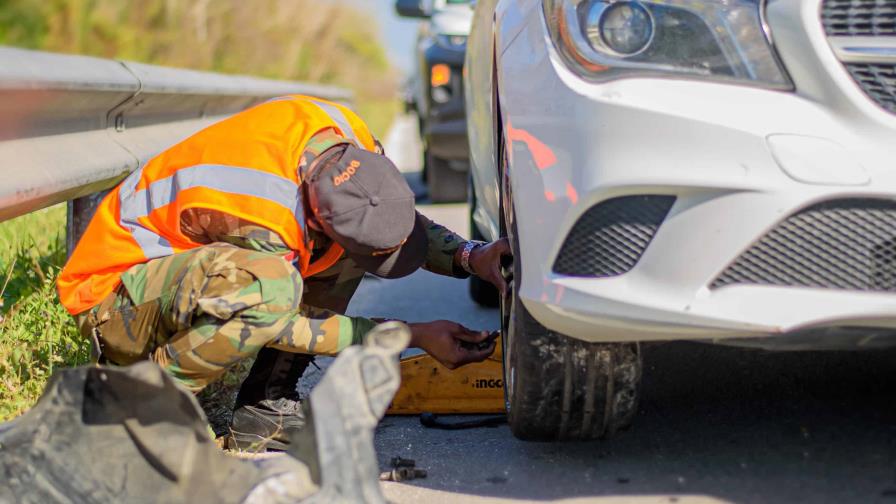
(715, 424)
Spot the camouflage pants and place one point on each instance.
(199, 312)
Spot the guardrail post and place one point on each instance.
(80, 211)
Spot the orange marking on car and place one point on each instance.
(542, 154)
(571, 193)
(558, 294)
(548, 195)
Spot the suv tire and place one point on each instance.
(445, 184)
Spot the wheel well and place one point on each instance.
(497, 118)
(499, 144)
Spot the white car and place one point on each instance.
(717, 171)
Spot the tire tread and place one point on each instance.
(567, 389)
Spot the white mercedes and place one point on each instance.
(712, 170)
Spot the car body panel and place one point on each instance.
(733, 156)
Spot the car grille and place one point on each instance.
(609, 238)
(859, 17)
(844, 244)
(861, 32)
(878, 82)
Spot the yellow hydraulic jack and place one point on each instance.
(429, 387)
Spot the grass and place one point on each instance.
(218, 397)
(37, 335)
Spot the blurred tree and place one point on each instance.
(326, 42)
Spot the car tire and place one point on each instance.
(445, 184)
(563, 389)
(481, 291)
(559, 388)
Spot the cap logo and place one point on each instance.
(343, 177)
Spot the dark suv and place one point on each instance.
(436, 92)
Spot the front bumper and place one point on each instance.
(738, 160)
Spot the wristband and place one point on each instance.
(469, 247)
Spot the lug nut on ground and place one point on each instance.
(402, 474)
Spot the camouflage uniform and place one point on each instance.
(205, 309)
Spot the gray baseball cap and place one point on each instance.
(364, 204)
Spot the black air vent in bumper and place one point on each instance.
(874, 22)
(878, 81)
(609, 238)
(866, 18)
(843, 244)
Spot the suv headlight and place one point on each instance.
(704, 39)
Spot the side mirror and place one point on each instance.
(411, 9)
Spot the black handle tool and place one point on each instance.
(482, 345)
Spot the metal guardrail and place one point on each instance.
(71, 126)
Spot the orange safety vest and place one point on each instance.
(245, 165)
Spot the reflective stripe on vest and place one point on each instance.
(335, 114)
(152, 244)
(223, 178)
(340, 119)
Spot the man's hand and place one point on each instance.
(486, 262)
(442, 340)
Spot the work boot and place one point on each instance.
(266, 425)
(274, 375)
(268, 409)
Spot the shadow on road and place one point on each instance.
(732, 424)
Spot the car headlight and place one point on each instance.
(453, 42)
(702, 39)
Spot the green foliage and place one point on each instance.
(36, 333)
(325, 42)
(218, 397)
(24, 22)
(378, 114)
